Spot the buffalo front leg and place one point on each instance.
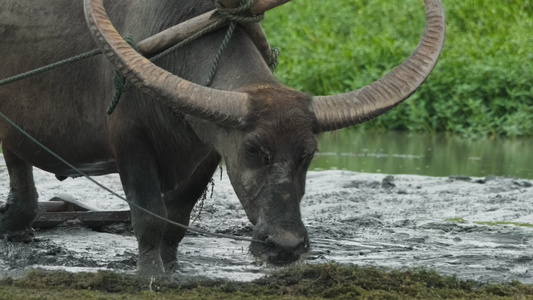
(20, 209)
(141, 185)
(179, 203)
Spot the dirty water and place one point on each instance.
(399, 221)
(435, 154)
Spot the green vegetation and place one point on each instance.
(457, 220)
(504, 223)
(483, 84)
(300, 282)
(461, 220)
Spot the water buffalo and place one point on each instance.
(169, 133)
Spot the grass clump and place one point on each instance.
(321, 281)
(505, 223)
(488, 223)
(349, 282)
(482, 85)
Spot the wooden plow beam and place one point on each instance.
(90, 219)
(64, 208)
(173, 35)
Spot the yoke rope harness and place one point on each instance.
(241, 14)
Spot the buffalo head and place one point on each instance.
(267, 162)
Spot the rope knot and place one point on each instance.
(273, 59)
(240, 14)
(120, 84)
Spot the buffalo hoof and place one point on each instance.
(149, 266)
(19, 236)
(15, 223)
(171, 267)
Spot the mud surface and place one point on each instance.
(396, 222)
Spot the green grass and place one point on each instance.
(483, 84)
(504, 223)
(496, 223)
(456, 220)
(323, 281)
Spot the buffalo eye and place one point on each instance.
(257, 154)
(251, 151)
(306, 157)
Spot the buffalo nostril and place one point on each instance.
(289, 243)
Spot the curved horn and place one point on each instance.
(222, 107)
(343, 110)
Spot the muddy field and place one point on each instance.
(476, 228)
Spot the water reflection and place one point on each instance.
(424, 154)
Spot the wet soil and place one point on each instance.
(476, 228)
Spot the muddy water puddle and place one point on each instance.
(399, 221)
